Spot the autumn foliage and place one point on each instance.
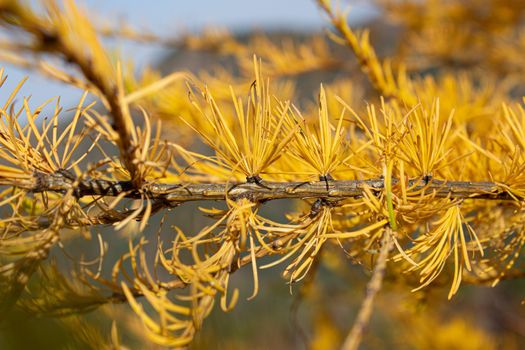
(415, 172)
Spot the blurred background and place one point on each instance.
(172, 19)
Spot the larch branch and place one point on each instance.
(48, 39)
(255, 192)
(353, 339)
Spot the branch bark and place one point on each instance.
(334, 190)
(49, 39)
(353, 339)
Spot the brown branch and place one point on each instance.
(118, 108)
(48, 39)
(336, 189)
(353, 339)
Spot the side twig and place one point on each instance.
(353, 339)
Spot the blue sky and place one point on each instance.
(169, 18)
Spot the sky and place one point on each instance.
(169, 18)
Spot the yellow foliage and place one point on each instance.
(424, 183)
